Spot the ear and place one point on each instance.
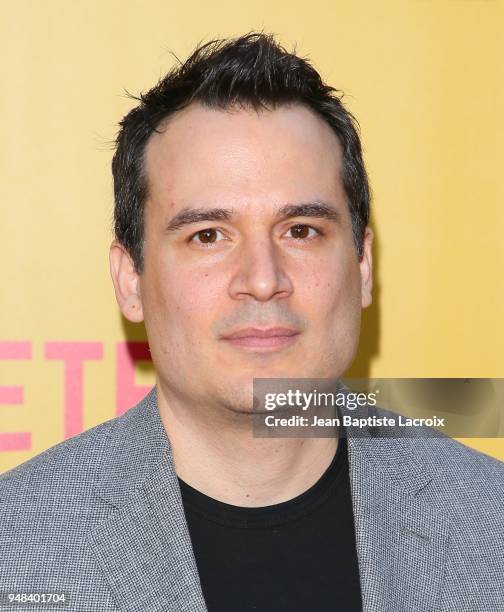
(366, 269)
(126, 282)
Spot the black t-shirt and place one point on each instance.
(296, 556)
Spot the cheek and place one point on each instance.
(331, 287)
(187, 301)
(198, 292)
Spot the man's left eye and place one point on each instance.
(300, 231)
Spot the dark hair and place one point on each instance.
(252, 71)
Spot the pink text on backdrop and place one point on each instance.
(74, 355)
(20, 440)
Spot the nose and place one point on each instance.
(260, 272)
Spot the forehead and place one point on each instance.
(209, 155)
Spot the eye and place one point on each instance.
(206, 237)
(300, 231)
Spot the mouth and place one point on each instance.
(271, 339)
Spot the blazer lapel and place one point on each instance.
(401, 539)
(143, 547)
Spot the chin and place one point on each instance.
(239, 401)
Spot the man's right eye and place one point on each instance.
(205, 237)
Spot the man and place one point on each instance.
(242, 242)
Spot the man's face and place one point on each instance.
(254, 266)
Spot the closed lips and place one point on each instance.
(251, 332)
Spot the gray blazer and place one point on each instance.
(100, 517)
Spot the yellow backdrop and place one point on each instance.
(424, 78)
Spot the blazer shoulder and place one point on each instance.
(74, 460)
(467, 483)
(68, 474)
(456, 459)
(445, 456)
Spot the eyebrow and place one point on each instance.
(317, 209)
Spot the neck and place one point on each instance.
(221, 458)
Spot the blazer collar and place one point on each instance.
(144, 547)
